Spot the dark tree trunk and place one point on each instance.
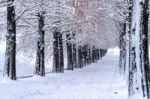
(97, 54)
(101, 53)
(69, 52)
(80, 63)
(61, 54)
(74, 56)
(89, 60)
(55, 51)
(93, 54)
(122, 60)
(74, 51)
(40, 64)
(84, 55)
(144, 47)
(58, 60)
(10, 58)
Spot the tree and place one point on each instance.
(10, 56)
(139, 64)
(69, 52)
(40, 56)
(40, 64)
(58, 61)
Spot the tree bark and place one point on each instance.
(80, 62)
(122, 62)
(55, 51)
(40, 64)
(69, 52)
(139, 65)
(58, 60)
(74, 56)
(10, 56)
(61, 54)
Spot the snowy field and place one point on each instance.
(99, 80)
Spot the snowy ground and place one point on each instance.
(99, 80)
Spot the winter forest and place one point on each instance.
(74, 49)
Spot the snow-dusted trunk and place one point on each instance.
(89, 60)
(80, 63)
(127, 49)
(122, 60)
(55, 51)
(69, 52)
(40, 64)
(58, 60)
(93, 54)
(139, 65)
(84, 55)
(128, 34)
(61, 54)
(10, 57)
(74, 53)
(97, 54)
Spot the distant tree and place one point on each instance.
(69, 52)
(58, 61)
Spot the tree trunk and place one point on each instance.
(74, 56)
(84, 55)
(69, 53)
(122, 49)
(139, 65)
(55, 51)
(89, 56)
(93, 54)
(10, 58)
(80, 63)
(61, 54)
(40, 64)
(144, 48)
(58, 60)
(74, 51)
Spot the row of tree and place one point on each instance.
(79, 51)
(85, 26)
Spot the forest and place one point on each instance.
(65, 49)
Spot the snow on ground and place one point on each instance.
(99, 80)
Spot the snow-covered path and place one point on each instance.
(96, 81)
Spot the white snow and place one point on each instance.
(99, 80)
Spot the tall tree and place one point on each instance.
(10, 57)
(40, 64)
(139, 64)
(40, 56)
